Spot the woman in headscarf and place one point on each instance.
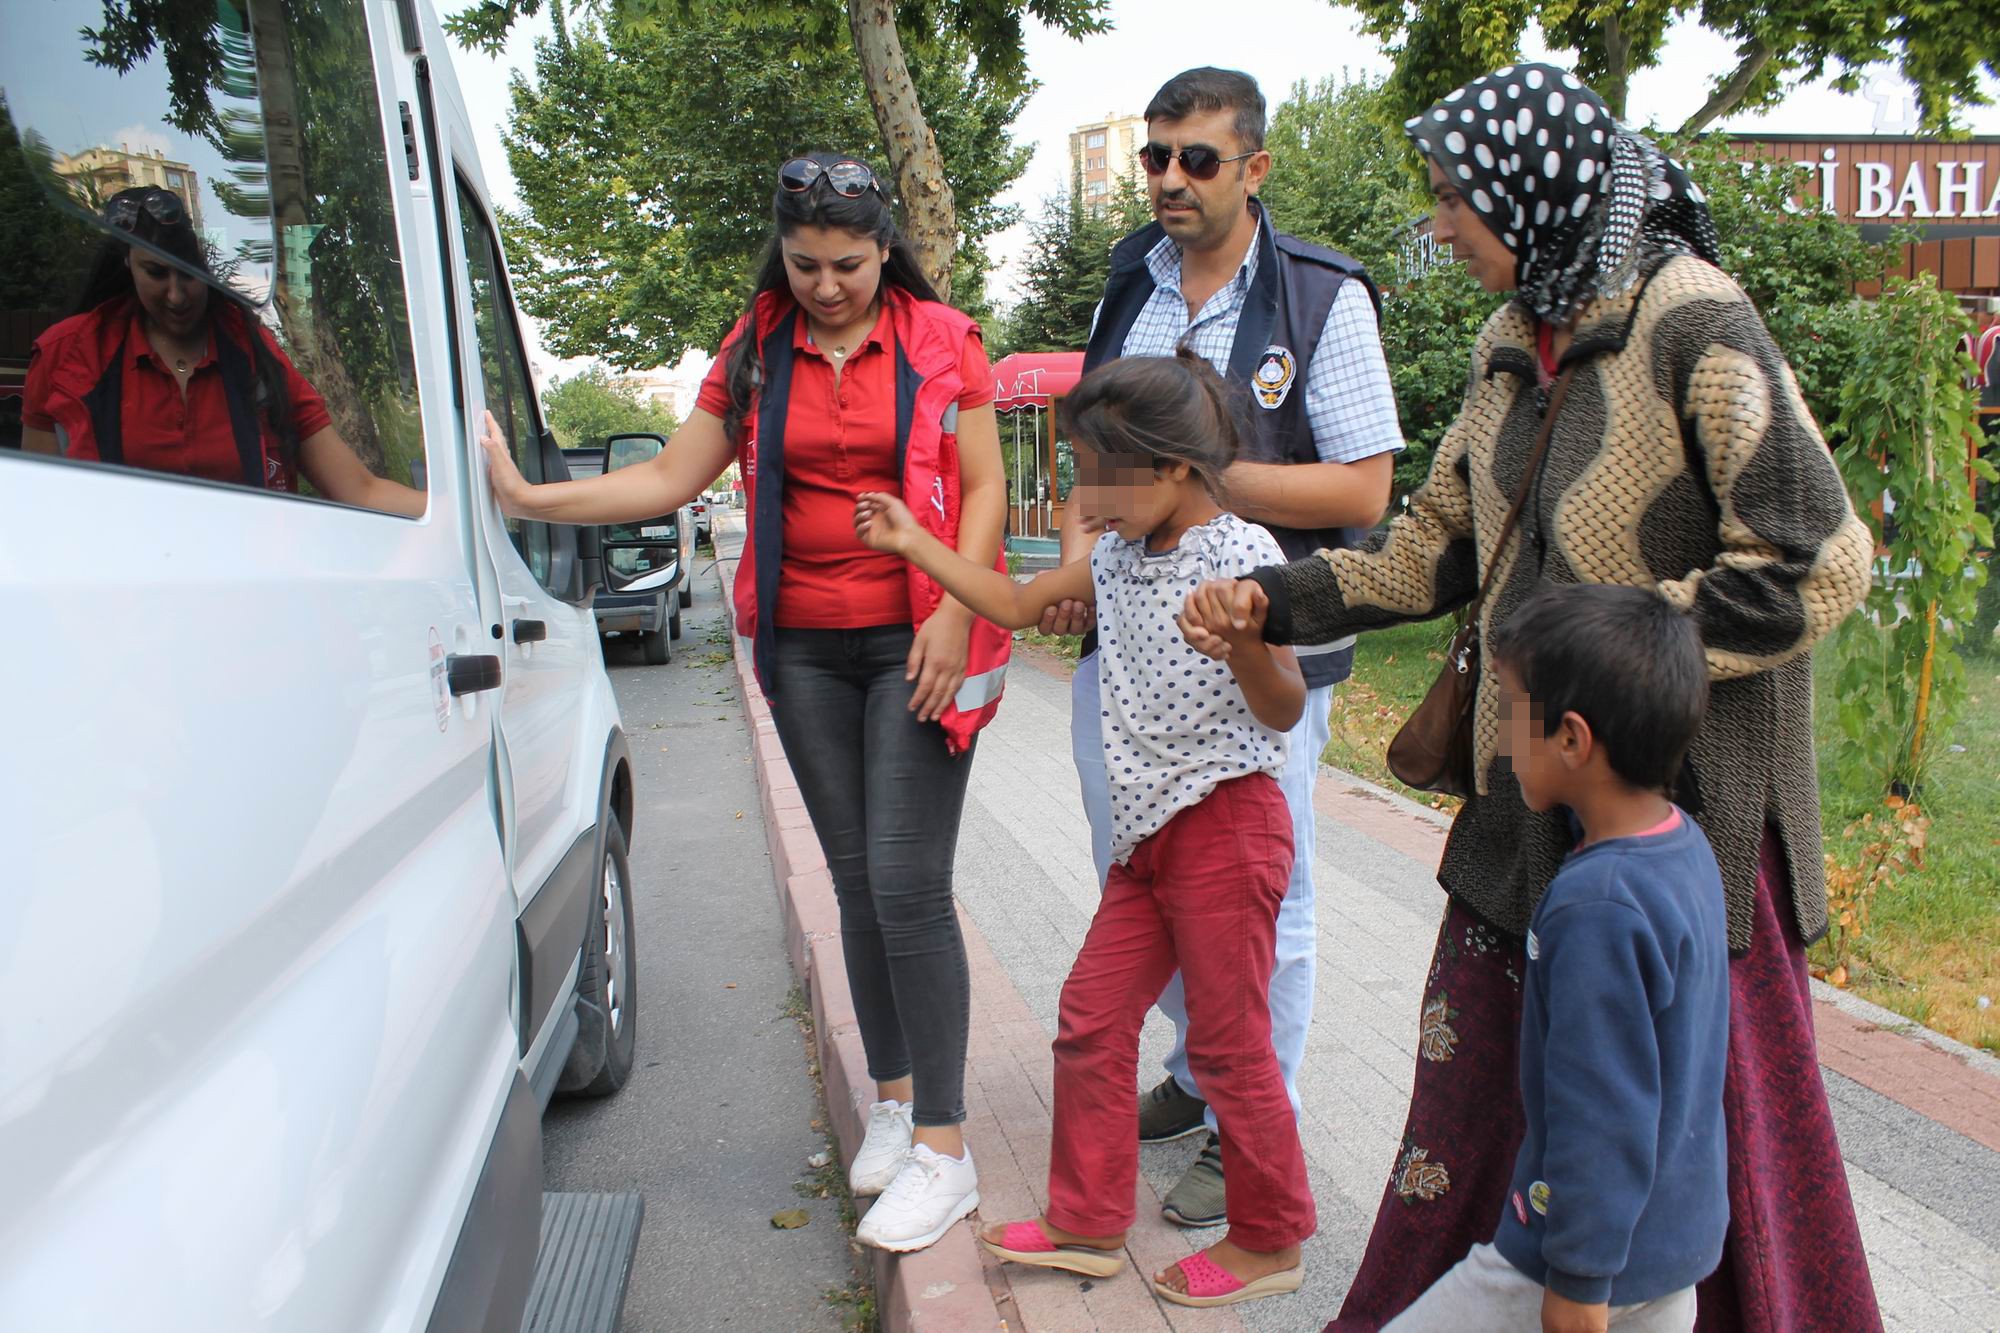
(1681, 458)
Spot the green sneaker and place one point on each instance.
(1199, 1199)
(1166, 1113)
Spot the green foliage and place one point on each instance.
(1068, 259)
(1906, 415)
(645, 156)
(48, 248)
(1340, 176)
(1940, 47)
(587, 408)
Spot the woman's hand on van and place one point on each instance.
(1223, 613)
(510, 488)
(884, 523)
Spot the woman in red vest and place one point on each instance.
(163, 369)
(848, 374)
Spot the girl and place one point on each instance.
(1201, 835)
(1680, 458)
(847, 373)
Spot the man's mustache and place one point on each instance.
(1178, 200)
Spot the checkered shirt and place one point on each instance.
(1349, 403)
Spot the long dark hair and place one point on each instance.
(155, 219)
(868, 215)
(1172, 409)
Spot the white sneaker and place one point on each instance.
(921, 1204)
(883, 1148)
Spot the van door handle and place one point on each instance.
(530, 631)
(468, 673)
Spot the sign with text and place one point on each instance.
(1887, 180)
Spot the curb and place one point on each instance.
(939, 1290)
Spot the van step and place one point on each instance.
(584, 1262)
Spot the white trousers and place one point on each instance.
(1483, 1293)
(1293, 974)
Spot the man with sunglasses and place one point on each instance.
(1296, 326)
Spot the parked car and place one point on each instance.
(646, 576)
(700, 511)
(317, 815)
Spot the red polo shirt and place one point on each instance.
(840, 439)
(161, 431)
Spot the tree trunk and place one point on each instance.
(1617, 79)
(1730, 93)
(930, 215)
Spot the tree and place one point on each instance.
(882, 35)
(1939, 47)
(1068, 259)
(589, 407)
(645, 156)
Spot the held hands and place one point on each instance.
(884, 523)
(510, 488)
(1069, 617)
(1561, 1315)
(1223, 615)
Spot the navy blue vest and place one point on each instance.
(1284, 313)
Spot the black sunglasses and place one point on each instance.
(1199, 161)
(847, 178)
(162, 207)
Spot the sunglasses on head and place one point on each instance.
(847, 178)
(162, 207)
(1199, 161)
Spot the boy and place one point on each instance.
(1619, 1201)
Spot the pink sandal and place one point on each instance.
(1027, 1243)
(1209, 1283)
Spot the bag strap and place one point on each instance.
(1521, 496)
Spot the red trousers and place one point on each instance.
(1202, 895)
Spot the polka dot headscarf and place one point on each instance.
(1580, 200)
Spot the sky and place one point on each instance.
(1151, 40)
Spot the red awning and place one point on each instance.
(1034, 379)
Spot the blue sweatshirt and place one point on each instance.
(1620, 1191)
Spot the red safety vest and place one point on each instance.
(930, 342)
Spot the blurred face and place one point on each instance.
(834, 273)
(1131, 496)
(174, 301)
(1458, 225)
(1542, 763)
(1201, 214)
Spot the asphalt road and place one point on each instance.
(716, 1124)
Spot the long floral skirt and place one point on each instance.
(1793, 1259)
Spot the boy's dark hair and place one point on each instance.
(1173, 409)
(1210, 89)
(1624, 660)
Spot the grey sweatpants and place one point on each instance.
(1483, 1293)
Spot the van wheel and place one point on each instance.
(656, 647)
(607, 1001)
(674, 624)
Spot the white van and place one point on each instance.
(313, 789)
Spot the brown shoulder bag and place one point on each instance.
(1433, 751)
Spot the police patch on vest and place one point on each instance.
(1272, 380)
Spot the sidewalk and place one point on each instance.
(1919, 1116)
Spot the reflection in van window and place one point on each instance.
(503, 371)
(201, 274)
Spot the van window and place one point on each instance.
(202, 277)
(503, 370)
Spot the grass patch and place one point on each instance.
(854, 1300)
(1932, 941)
(1065, 646)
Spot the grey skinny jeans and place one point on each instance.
(885, 798)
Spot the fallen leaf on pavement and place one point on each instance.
(791, 1219)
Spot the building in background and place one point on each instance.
(103, 171)
(1103, 153)
(676, 387)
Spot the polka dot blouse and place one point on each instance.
(1176, 724)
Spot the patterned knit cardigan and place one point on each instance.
(1684, 460)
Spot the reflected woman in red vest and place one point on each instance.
(848, 374)
(163, 369)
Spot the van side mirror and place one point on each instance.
(627, 450)
(637, 556)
